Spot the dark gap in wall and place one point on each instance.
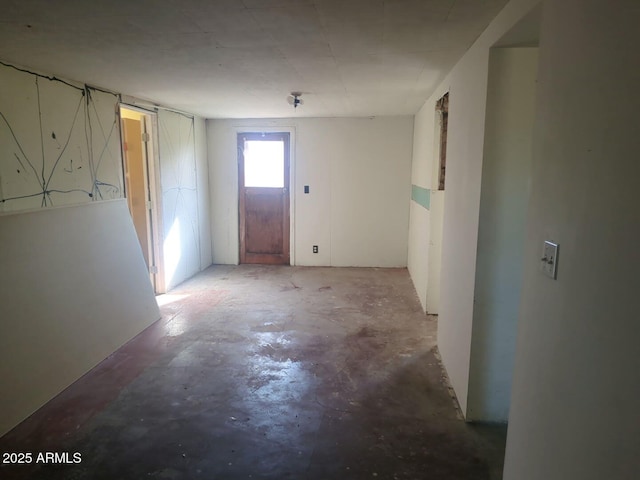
(442, 106)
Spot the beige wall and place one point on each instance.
(574, 411)
(358, 171)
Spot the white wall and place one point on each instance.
(436, 218)
(434, 267)
(202, 183)
(506, 171)
(185, 199)
(358, 171)
(73, 289)
(59, 143)
(425, 221)
(73, 283)
(421, 176)
(574, 412)
(417, 258)
(467, 87)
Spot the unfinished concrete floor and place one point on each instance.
(259, 372)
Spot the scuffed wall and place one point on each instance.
(59, 142)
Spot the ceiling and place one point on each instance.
(241, 58)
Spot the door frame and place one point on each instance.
(258, 134)
(149, 126)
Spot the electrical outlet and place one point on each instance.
(315, 249)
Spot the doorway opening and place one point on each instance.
(263, 176)
(138, 148)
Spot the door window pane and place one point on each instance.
(264, 163)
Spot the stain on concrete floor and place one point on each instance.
(259, 372)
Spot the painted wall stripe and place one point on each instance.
(422, 196)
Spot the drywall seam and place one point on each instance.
(60, 142)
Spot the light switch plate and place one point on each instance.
(549, 260)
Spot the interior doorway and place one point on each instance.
(140, 186)
(263, 175)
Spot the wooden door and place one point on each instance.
(137, 190)
(263, 160)
(140, 182)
